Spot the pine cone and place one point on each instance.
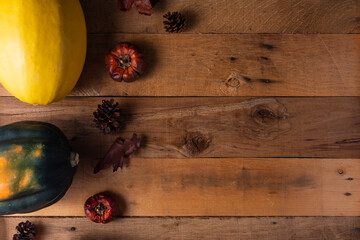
(175, 22)
(27, 231)
(107, 117)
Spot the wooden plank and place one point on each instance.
(220, 187)
(231, 16)
(229, 65)
(209, 127)
(271, 228)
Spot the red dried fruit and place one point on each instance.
(101, 208)
(124, 62)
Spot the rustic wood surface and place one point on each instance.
(231, 16)
(229, 65)
(220, 187)
(271, 228)
(252, 111)
(209, 127)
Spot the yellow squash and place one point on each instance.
(42, 48)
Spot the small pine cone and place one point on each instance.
(175, 22)
(107, 117)
(27, 231)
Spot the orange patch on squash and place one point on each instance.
(6, 178)
(26, 179)
(5, 191)
(18, 149)
(38, 152)
(3, 162)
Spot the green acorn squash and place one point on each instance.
(36, 166)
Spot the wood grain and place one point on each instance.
(231, 16)
(297, 154)
(220, 187)
(270, 228)
(209, 127)
(229, 65)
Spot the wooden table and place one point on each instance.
(251, 118)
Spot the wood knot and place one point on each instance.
(266, 121)
(196, 142)
(232, 81)
(264, 116)
(235, 82)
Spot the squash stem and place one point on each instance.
(74, 159)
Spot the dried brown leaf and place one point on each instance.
(143, 6)
(120, 149)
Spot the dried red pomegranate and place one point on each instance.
(101, 208)
(124, 62)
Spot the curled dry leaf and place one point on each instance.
(143, 6)
(120, 149)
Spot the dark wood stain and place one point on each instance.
(167, 183)
(171, 226)
(248, 179)
(264, 58)
(244, 180)
(233, 58)
(347, 194)
(201, 180)
(348, 141)
(349, 179)
(247, 79)
(265, 80)
(267, 46)
(303, 181)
